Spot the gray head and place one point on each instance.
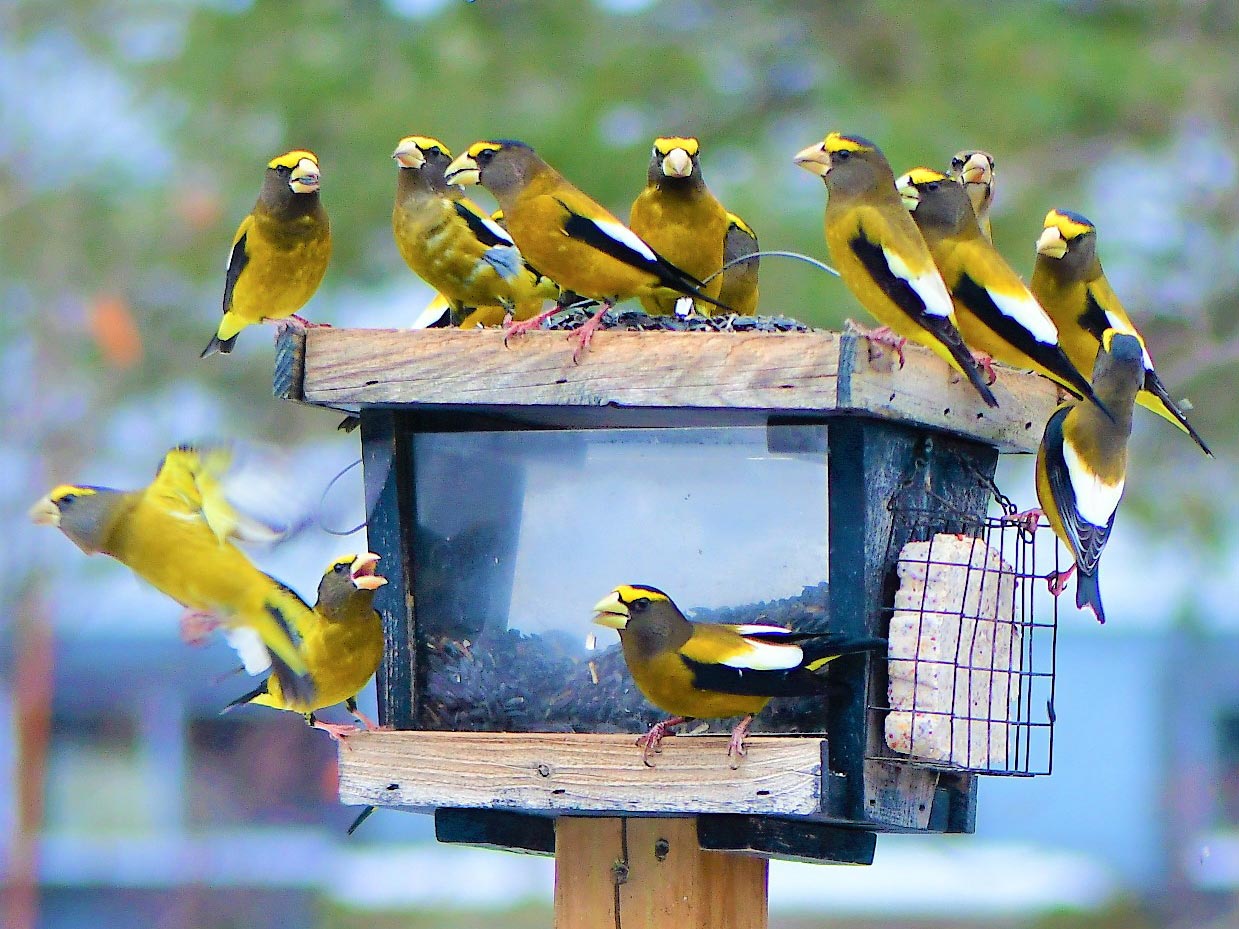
(87, 515)
(937, 203)
(850, 165)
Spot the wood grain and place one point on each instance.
(652, 874)
(731, 377)
(543, 772)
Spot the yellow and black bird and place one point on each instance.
(568, 236)
(1069, 282)
(995, 311)
(739, 290)
(342, 642)
(680, 219)
(453, 245)
(280, 252)
(1082, 465)
(881, 255)
(175, 534)
(975, 170)
(711, 670)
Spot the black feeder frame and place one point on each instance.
(911, 454)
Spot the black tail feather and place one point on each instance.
(1088, 594)
(245, 698)
(297, 689)
(945, 332)
(1153, 384)
(218, 346)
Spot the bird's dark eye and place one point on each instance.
(66, 500)
(640, 605)
(957, 162)
(485, 155)
(932, 186)
(843, 155)
(283, 170)
(341, 567)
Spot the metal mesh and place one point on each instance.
(969, 681)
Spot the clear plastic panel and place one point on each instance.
(519, 533)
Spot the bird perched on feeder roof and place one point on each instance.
(342, 642)
(1082, 465)
(975, 170)
(1069, 282)
(994, 310)
(881, 255)
(568, 236)
(279, 253)
(713, 670)
(452, 244)
(680, 219)
(739, 290)
(176, 534)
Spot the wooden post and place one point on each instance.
(651, 874)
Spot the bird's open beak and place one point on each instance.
(611, 612)
(362, 572)
(463, 171)
(908, 193)
(408, 155)
(304, 179)
(814, 159)
(45, 513)
(677, 163)
(1051, 243)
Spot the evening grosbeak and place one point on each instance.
(1069, 282)
(975, 170)
(739, 290)
(713, 670)
(342, 642)
(176, 534)
(279, 253)
(1082, 464)
(680, 219)
(881, 255)
(452, 244)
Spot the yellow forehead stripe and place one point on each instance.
(1071, 225)
(68, 490)
(478, 147)
(924, 176)
(628, 593)
(665, 145)
(291, 159)
(838, 142)
(425, 143)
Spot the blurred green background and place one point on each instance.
(133, 137)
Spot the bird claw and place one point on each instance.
(986, 364)
(651, 742)
(1056, 581)
(1028, 521)
(735, 748)
(585, 334)
(339, 732)
(197, 626)
(883, 336)
(513, 330)
(365, 720)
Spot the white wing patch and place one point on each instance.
(1116, 323)
(1096, 500)
(1026, 311)
(928, 285)
(764, 656)
(625, 235)
(495, 229)
(433, 312)
(248, 645)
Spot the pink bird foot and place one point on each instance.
(651, 742)
(1057, 582)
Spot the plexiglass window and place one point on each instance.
(519, 533)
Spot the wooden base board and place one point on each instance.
(581, 774)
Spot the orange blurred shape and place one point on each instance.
(115, 331)
(199, 209)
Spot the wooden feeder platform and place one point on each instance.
(799, 797)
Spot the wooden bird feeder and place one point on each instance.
(508, 488)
